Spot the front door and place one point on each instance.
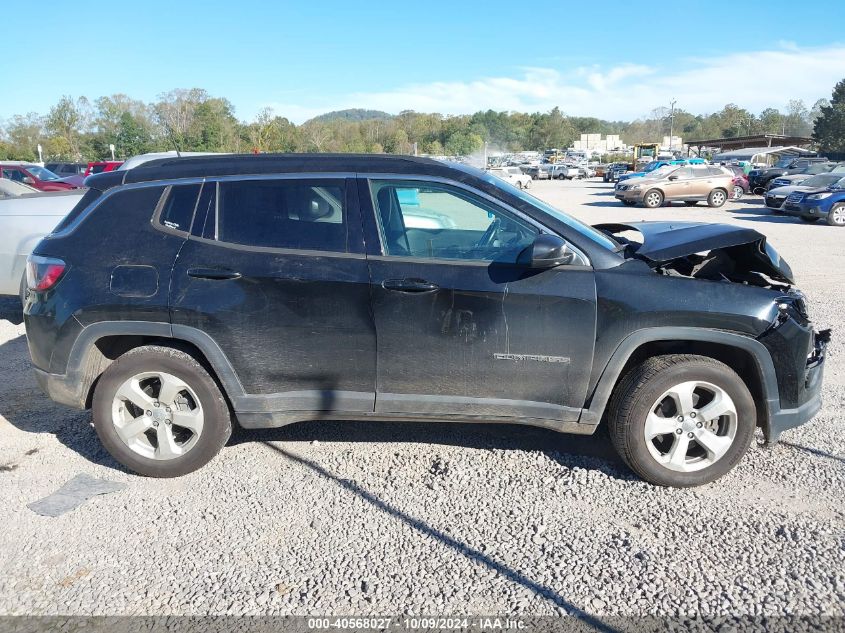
(463, 330)
(274, 272)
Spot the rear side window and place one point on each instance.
(296, 214)
(119, 204)
(87, 200)
(177, 213)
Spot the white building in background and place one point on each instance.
(594, 144)
(676, 143)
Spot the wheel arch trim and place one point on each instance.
(611, 374)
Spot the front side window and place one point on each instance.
(13, 174)
(437, 221)
(296, 214)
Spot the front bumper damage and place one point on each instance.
(799, 354)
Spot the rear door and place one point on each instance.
(274, 272)
(462, 329)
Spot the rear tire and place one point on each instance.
(738, 192)
(653, 199)
(717, 198)
(646, 403)
(180, 421)
(836, 217)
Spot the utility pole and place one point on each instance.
(672, 122)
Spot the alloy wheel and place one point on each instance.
(837, 215)
(738, 192)
(653, 199)
(691, 426)
(157, 415)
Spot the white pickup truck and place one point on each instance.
(513, 175)
(24, 219)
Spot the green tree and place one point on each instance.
(829, 131)
(68, 119)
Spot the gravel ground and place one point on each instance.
(354, 518)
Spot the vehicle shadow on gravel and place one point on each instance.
(590, 452)
(477, 556)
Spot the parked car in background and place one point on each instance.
(67, 169)
(820, 204)
(776, 196)
(33, 175)
(759, 178)
(565, 171)
(537, 172)
(12, 189)
(808, 172)
(684, 340)
(657, 164)
(613, 171)
(741, 186)
(100, 166)
(25, 218)
(513, 175)
(687, 183)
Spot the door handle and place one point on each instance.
(414, 286)
(213, 273)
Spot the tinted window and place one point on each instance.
(300, 214)
(437, 221)
(178, 210)
(118, 203)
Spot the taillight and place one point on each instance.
(42, 273)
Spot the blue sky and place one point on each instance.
(609, 59)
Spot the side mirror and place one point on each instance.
(673, 177)
(547, 251)
(27, 180)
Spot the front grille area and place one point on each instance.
(795, 197)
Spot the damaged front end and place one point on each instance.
(716, 252)
(719, 252)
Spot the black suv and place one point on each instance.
(758, 179)
(189, 292)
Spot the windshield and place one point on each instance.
(41, 173)
(839, 184)
(822, 180)
(652, 166)
(584, 229)
(784, 162)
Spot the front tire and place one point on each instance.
(681, 420)
(717, 198)
(653, 199)
(158, 412)
(836, 217)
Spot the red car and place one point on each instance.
(102, 165)
(740, 182)
(34, 176)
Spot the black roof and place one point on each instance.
(251, 164)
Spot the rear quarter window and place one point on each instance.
(115, 209)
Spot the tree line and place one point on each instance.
(193, 120)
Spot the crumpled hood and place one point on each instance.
(664, 241)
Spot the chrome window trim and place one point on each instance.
(476, 192)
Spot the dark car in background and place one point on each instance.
(821, 204)
(807, 172)
(759, 178)
(34, 176)
(188, 294)
(776, 196)
(67, 169)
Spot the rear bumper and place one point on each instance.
(67, 390)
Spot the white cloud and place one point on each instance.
(753, 80)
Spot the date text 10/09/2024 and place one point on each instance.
(419, 623)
